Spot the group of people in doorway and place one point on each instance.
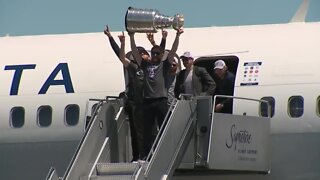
(155, 79)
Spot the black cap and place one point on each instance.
(142, 50)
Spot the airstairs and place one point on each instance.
(191, 136)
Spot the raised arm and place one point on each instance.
(134, 49)
(163, 39)
(174, 46)
(122, 54)
(179, 65)
(113, 44)
(150, 37)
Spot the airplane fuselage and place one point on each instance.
(61, 72)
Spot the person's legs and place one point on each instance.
(161, 110)
(138, 124)
(134, 143)
(148, 119)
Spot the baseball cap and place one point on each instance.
(187, 55)
(142, 50)
(219, 64)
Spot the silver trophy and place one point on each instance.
(149, 20)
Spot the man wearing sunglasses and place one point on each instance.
(174, 69)
(155, 91)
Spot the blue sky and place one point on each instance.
(34, 17)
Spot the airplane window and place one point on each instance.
(72, 114)
(264, 106)
(295, 106)
(44, 116)
(17, 117)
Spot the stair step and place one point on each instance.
(111, 177)
(116, 168)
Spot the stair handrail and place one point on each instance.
(185, 132)
(242, 98)
(172, 105)
(94, 115)
(52, 175)
(166, 119)
(93, 122)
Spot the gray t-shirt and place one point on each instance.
(155, 79)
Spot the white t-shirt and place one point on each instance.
(188, 82)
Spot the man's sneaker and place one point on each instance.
(134, 159)
(141, 161)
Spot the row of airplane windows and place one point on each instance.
(72, 111)
(44, 116)
(295, 106)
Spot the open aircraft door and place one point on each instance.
(240, 142)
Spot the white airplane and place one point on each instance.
(47, 80)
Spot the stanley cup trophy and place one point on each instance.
(149, 20)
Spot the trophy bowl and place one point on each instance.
(149, 20)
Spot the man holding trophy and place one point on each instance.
(155, 92)
(134, 88)
(156, 69)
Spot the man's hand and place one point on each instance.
(218, 107)
(179, 31)
(151, 38)
(122, 37)
(107, 31)
(131, 34)
(164, 33)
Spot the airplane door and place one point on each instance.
(224, 85)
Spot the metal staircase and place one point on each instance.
(170, 144)
(190, 136)
(107, 128)
(115, 171)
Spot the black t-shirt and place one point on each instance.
(226, 87)
(136, 80)
(155, 78)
